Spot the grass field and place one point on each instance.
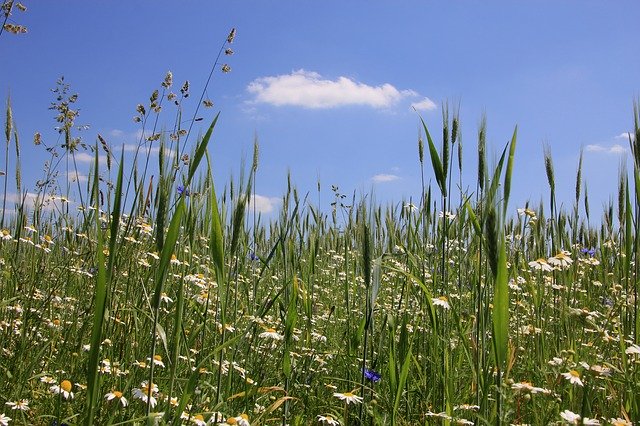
(167, 300)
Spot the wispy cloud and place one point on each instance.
(263, 204)
(381, 178)
(309, 89)
(613, 149)
(424, 105)
(49, 202)
(626, 136)
(85, 157)
(73, 176)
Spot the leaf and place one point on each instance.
(435, 161)
(507, 176)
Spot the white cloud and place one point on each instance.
(310, 90)
(380, 178)
(263, 204)
(85, 157)
(76, 177)
(614, 149)
(424, 105)
(626, 136)
(49, 202)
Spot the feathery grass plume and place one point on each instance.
(586, 201)
(622, 185)
(106, 149)
(548, 167)
(482, 148)
(16, 140)
(7, 131)
(459, 137)
(445, 140)
(420, 150)
(579, 177)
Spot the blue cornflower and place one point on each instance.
(253, 256)
(589, 251)
(181, 190)
(372, 375)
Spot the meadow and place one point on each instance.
(171, 300)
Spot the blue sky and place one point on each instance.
(328, 87)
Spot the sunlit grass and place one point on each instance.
(165, 300)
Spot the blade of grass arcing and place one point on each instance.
(435, 161)
(99, 307)
(168, 247)
(507, 176)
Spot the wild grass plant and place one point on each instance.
(167, 301)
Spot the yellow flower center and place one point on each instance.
(232, 421)
(244, 416)
(271, 330)
(348, 394)
(198, 417)
(443, 298)
(117, 394)
(574, 373)
(157, 358)
(65, 386)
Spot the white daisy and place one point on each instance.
(348, 397)
(573, 377)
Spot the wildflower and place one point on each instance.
(145, 393)
(6, 235)
(4, 420)
(562, 259)
(271, 333)
(589, 251)
(540, 265)
(372, 375)
(526, 212)
(570, 417)
(117, 395)
(183, 190)
(198, 420)
(441, 301)
(555, 361)
(22, 405)
(165, 298)
(633, 349)
(64, 388)
(448, 215)
(588, 421)
(241, 420)
(157, 360)
(573, 377)
(348, 397)
(528, 387)
(620, 422)
(328, 420)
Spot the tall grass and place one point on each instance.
(194, 307)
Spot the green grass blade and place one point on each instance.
(435, 161)
(507, 175)
(99, 307)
